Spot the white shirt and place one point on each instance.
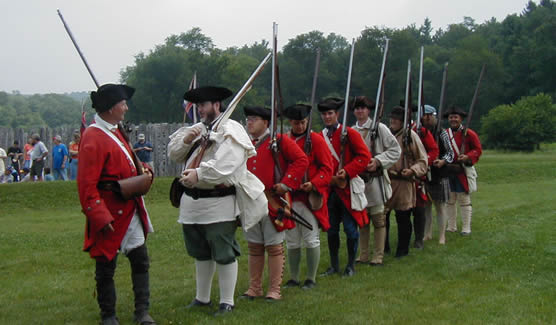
(224, 162)
(2, 166)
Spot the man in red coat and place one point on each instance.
(466, 149)
(315, 185)
(269, 234)
(113, 223)
(356, 156)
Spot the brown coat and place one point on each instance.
(415, 158)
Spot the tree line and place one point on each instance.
(519, 53)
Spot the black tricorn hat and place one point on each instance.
(207, 94)
(454, 110)
(297, 111)
(109, 95)
(414, 108)
(257, 111)
(397, 113)
(361, 101)
(330, 103)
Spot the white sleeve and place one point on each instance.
(177, 150)
(392, 150)
(229, 156)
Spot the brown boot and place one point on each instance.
(275, 271)
(256, 268)
(364, 235)
(379, 223)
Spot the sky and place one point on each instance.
(37, 55)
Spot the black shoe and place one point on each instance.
(401, 254)
(361, 262)
(271, 300)
(349, 271)
(308, 284)
(376, 264)
(144, 319)
(112, 320)
(196, 303)
(419, 244)
(330, 271)
(387, 250)
(291, 283)
(224, 309)
(247, 297)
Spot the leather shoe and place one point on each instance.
(361, 262)
(224, 309)
(377, 264)
(329, 271)
(113, 320)
(308, 284)
(419, 244)
(247, 297)
(349, 271)
(196, 303)
(291, 283)
(145, 319)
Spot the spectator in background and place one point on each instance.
(59, 159)
(27, 153)
(143, 149)
(24, 175)
(74, 154)
(15, 153)
(6, 176)
(2, 157)
(38, 154)
(47, 175)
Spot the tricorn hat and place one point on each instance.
(397, 113)
(454, 110)
(413, 107)
(109, 95)
(330, 103)
(362, 101)
(207, 94)
(257, 111)
(297, 111)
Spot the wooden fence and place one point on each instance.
(157, 134)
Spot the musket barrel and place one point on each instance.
(420, 96)
(442, 99)
(346, 102)
(273, 81)
(407, 99)
(475, 95)
(70, 34)
(379, 91)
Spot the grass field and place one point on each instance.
(504, 273)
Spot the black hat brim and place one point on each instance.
(297, 112)
(265, 113)
(109, 95)
(330, 104)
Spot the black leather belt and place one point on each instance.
(197, 193)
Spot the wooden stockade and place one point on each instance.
(157, 134)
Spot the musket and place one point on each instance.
(420, 98)
(438, 126)
(308, 143)
(473, 103)
(407, 112)
(379, 107)
(77, 48)
(343, 138)
(223, 117)
(379, 110)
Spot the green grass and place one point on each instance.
(505, 273)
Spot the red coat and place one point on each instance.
(102, 159)
(320, 173)
(473, 149)
(356, 158)
(293, 162)
(432, 154)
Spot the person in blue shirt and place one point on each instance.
(144, 150)
(59, 159)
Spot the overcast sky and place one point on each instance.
(36, 55)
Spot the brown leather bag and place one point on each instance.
(176, 191)
(134, 186)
